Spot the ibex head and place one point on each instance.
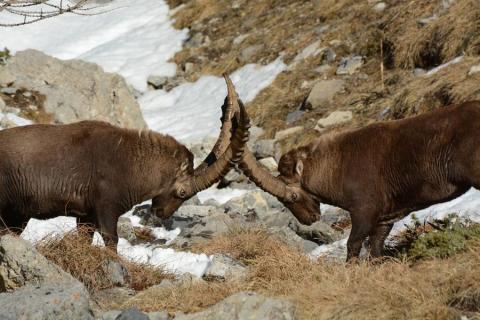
(188, 181)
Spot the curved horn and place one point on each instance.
(225, 131)
(204, 178)
(262, 177)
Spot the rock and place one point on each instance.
(288, 132)
(334, 119)
(318, 232)
(76, 90)
(125, 229)
(2, 105)
(132, 314)
(419, 72)
(43, 290)
(321, 29)
(8, 90)
(195, 41)
(111, 315)
(255, 133)
(291, 238)
(6, 77)
(264, 148)
(323, 92)
(115, 272)
(224, 267)
(248, 53)
(349, 65)
(246, 305)
(474, 69)
(196, 210)
(294, 116)
(380, 7)
(189, 67)
(159, 315)
(239, 39)
(21, 265)
(424, 21)
(114, 296)
(324, 68)
(48, 301)
(269, 163)
(157, 82)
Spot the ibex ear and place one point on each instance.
(299, 167)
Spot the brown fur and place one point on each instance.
(382, 172)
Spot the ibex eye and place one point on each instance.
(182, 193)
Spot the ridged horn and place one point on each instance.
(226, 129)
(205, 177)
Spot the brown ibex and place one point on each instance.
(379, 173)
(97, 171)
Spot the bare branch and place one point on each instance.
(30, 11)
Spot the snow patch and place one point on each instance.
(37, 230)
(440, 67)
(135, 40)
(191, 111)
(220, 195)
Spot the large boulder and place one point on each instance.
(74, 90)
(323, 93)
(246, 305)
(37, 288)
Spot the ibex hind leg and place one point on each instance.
(362, 226)
(377, 239)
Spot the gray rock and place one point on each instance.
(196, 210)
(125, 229)
(239, 39)
(264, 148)
(8, 90)
(424, 21)
(321, 29)
(2, 105)
(43, 290)
(319, 232)
(76, 90)
(246, 305)
(111, 315)
(288, 132)
(269, 163)
(224, 267)
(132, 314)
(419, 72)
(291, 238)
(294, 116)
(195, 41)
(323, 92)
(349, 65)
(157, 82)
(6, 77)
(189, 67)
(159, 315)
(380, 7)
(115, 272)
(248, 53)
(324, 68)
(21, 264)
(48, 301)
(474, 69)
(334, 119)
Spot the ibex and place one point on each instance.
(379, 173)
(97, 171)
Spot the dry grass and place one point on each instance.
(433, 289)
(75, 254)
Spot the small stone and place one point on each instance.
(269, 163)
(189, 67)
(294, 116)
(264, 148)
(334, 118)
(323, 69)
(349, 65)
(159, 315)
(8, 90)
(321, 29)
(288, 132)
(2, 105)
(323, 93)
(111, 315)
(192, 210)
(248, 53)
(132, 314)
(157, 82)
(380, 7)
(419, 72)
(474, 69)
(224, 267)
(195, 41)
(239, 39)
(115, 272)
(125, 229)
(423, 22)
